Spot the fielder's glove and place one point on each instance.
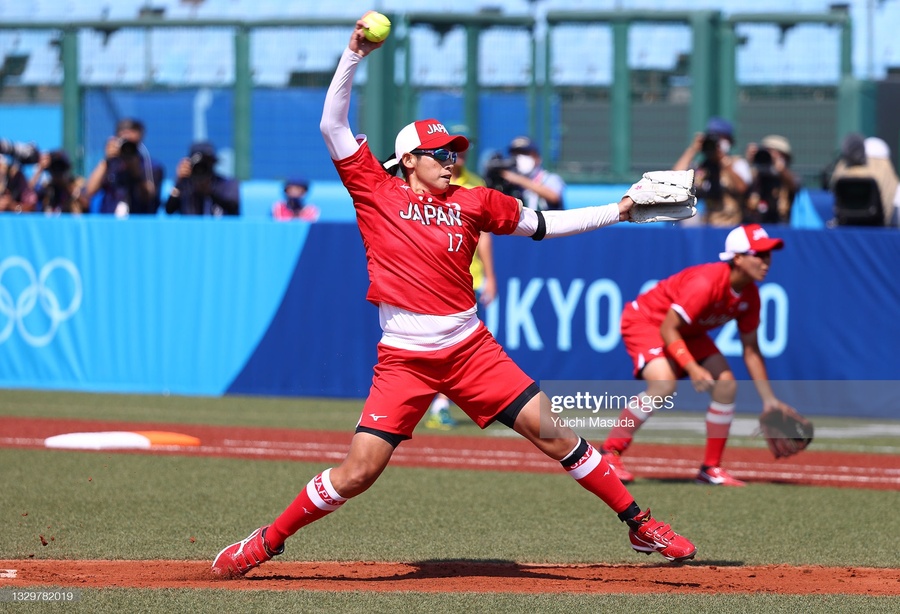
(663, 196)
(786, 431)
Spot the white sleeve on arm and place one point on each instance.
(335, 124)
(567, 221)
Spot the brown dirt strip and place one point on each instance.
(667, 462)
(461, 576)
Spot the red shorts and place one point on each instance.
(644, 343)
(476, 374)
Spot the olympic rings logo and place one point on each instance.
(16, 311)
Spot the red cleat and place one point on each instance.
(615, 461)
(237, 559)
(716, 476)
(654, 536)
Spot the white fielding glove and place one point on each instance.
(663, 196)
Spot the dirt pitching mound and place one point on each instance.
(459, 576)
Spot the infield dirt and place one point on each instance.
(461, 576)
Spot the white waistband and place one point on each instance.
(420, 332)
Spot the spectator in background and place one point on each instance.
(774, 185)
(869, 157)
(293, 206)
(199, 190)
(878, 158)
(541, 189)
(16, 194)
(484, 281)
(852, 156)
(720, 179)
(127, 177)
(57, 189)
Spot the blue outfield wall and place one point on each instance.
(251, 306)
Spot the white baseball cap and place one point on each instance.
(426, 134)
(876, 148)
(749, 239)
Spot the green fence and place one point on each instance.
(644, 118)
(608, 120)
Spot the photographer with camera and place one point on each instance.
(127, 176)
(522, 176)
(774, 185)
(199, 190)
(720, 179)
(16, 194)
(866, 158)
(57, 189)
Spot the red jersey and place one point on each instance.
(419, 247)
(702, 295)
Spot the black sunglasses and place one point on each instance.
(441, 155)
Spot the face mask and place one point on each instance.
(725, 146)
(525, 164)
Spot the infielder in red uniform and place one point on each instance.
(665, 331)
(420, 234)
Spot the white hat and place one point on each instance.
(748, 239)
(778, 143)
(877, 148)
(426, 134)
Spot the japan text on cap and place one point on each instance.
(749, 239)
(426, 134)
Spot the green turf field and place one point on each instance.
(134, 506)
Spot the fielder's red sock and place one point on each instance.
(589, 469)
(718, 424)
(318, 499)
(630, 420)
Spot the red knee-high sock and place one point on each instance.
(630, 420)
(318, 499)
(589, 469)
(718, 424)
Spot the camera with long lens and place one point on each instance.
(23, 153)
(764, 167)
(710, 146)
(763, 161)
(201, 165)
(493, 175)
(59, 163)
(127, 148)
(766, 183)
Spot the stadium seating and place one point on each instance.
(808, 55)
